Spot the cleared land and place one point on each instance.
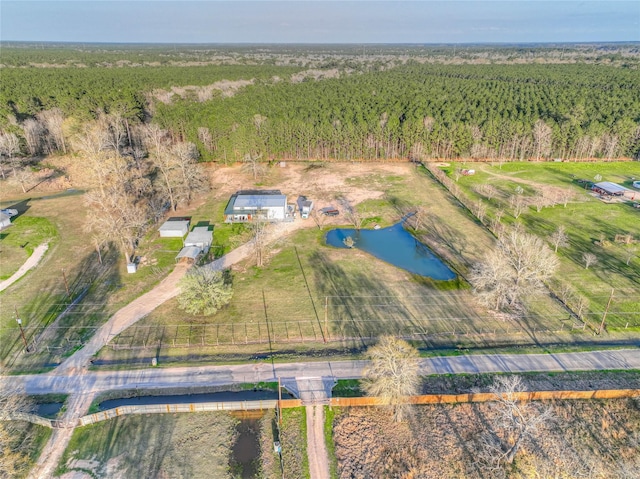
(308, 292)
(595, 439)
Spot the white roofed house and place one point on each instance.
(257, 205)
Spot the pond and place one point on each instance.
(397, 246)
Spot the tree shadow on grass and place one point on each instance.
(361, 307)
(56, 324)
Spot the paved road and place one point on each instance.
(185, 377)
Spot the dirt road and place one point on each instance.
(316, 447)
(77, 405)
(75, 366)
(32, 262)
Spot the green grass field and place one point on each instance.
(351, 298)
(18, 242)
(591, 224)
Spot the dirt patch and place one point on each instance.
(330, 184)
(598, 438)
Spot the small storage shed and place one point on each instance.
(197, 243)
(200, 237)
(175, 228)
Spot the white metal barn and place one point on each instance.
(174, 228)
(247, 206)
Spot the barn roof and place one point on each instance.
(259, 201)
(611, 188)
(175, 224)
(199, 235)
(191, 252)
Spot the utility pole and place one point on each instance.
(326, 315)
(19, 321)
(606, 310)
(279, 402)
(66, 283)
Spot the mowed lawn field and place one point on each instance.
(310, 295)
(590, 223)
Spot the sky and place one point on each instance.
(320, 21)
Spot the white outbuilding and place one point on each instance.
(196, 244)
(174, 228)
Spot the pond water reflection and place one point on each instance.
(394, 245)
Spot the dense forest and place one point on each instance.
(304, 105)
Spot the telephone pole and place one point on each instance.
(606, 310)
(19, 321)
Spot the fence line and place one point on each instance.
(488, 397)
(187, 408)
(333, 402)
(304, 332)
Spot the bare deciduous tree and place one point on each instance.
(252, 165)
(204, 135)
(488, 191)
(118, 217)
(540, 201)
(9, 148)
(259, 241)
(589, 259)
(392, 373)
(480, 210)
(566, 292)
(33, 135)
(518, 267)
(559, 238)
(542, 138)
(191, 176)
(565, 196)
(581, 305)
(518, 205)
(23, 177)
(13, 459)
(53, 121)
(515, 422)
